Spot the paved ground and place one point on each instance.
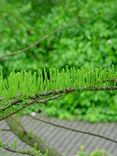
(67, 141)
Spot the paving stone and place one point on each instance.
(66, 141)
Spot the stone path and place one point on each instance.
(66, 140)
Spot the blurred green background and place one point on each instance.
(86, 36)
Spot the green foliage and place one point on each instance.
(95, 153)
(90, 42)
(26, 86)
(28, 83)
(90, 106)
(14, 148)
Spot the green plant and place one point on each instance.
(90, 41)
(94, 153)
(22, 89)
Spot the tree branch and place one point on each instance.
(29, 138)
(56, 92)
(74, 130)
(5, 130)
(10, 149)
(44, 101)
(20, 51)
(54, 95)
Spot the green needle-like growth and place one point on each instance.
(22, 89)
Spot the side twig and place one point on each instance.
(54, 95)
(10, 149)
(19, 51)
(74, 130)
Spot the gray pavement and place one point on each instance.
(64, 140)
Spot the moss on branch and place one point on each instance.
(29, 138)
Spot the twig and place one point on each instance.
(111, 80)
(30, 103)
(5, 130)
(8, 148)
(55, 94)
(35, 43)
(75, 130)
(39, 96)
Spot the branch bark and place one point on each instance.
(17, 128)
(10, 149)
(52, 95)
